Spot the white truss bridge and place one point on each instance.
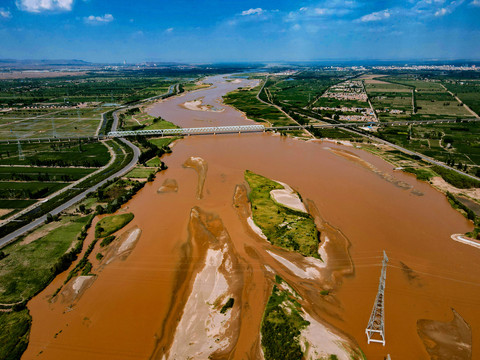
(191, 131)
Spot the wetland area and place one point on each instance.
(165, 289)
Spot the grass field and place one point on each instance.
(161, 124)
(292, 230)
(28, 190)
(164, 141)
(141, 172)
(281, 325)
(28, 267)
(14, 332)
(48, 174)
(245, 100)
(108, 225)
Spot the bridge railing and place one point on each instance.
(187, 131)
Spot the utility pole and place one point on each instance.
(54, 133)
(376, 325)
(20, 152)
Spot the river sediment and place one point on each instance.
(358, 213)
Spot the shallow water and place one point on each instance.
(119, 316)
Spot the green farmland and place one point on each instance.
(457, 143)
(246, 100)
(63, 154)
(48, 174)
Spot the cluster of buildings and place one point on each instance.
(428, 67)
(364, 117)
(347, 90)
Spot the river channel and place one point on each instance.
(132, 308)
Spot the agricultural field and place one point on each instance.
(246, 100)
(51, 123)
(431, 99)
(467, 91)
(390, 101)
(456, 144)
(37, 252)
(299, 90)
(73, 106)
(42, 169)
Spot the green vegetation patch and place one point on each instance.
(422, 173)
(43, 174)
(108, 225)
(141, 172)
(28, 268)
(281, 326)
(164, 141)
(107, 240)
(62, 154)
(246, 100)
(458, 180)
(28, 190)
(14, 333)
(284, 227)
(228, 305)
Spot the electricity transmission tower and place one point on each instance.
(376, 325)
(54, 132)
(20, 152)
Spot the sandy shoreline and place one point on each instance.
(197, 105)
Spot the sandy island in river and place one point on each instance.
(318, 339)
(197, 105)
(204, 329)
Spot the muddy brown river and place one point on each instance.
(132, 308)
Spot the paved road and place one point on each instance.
(10, 237)
(423, 157)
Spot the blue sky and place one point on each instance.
(239, 30)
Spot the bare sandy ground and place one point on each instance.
(168, 186)
(446, 340)
(442, 185)
(255, 228)
(122, 247)
(5, 211)
(318, 342)
(41, 233)
(201, 167)
(288, 197)
(466, 240)
(202, 331)
(307, 273)
(75, 289)
(390, 178)
(197, 105)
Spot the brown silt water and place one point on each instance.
(361, 205)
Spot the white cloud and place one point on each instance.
(376, 16)
(475, 3)
(94, 20)
(296, 27)
(441, 12)
(6, 14)
(169, 30)
(37, 6)
(257, 11)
